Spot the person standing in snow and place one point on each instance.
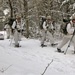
(7, 29)
(17, 29)
(46, 31)
(70, 32)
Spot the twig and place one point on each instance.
(47, 67)
(3, 70)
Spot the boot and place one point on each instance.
(17, 45)
(54, 44)
(42, 45)
(59, 50)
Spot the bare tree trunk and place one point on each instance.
(26, 17)
(11, 8)
(37, 13)
(67, 10)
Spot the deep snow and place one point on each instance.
(31, 59)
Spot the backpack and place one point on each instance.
(11, 20)
(43, 19)
(64, 28)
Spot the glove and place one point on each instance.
(18, 31)
(12, 30)
(15, 27)
(4, 29)
(22, 30)
(53, 28)
(47, 27)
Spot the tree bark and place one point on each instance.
(11, 8)
(26, 17)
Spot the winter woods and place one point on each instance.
(35, 35)
(32, 10)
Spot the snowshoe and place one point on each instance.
(17, 45)
(59, 50)
(42, 45)
(54, 44)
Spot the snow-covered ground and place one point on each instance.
(31, 59)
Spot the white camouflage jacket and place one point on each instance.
(19, 26)
(50, 26)
(70, 28)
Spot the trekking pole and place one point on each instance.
(47, 67)
(70, 42)
(11, 40)
(4, 34)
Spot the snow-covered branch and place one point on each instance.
(64, 2)
(73, 6)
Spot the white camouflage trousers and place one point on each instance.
(8, 31)
(65, 40)
(17, 37)
(48, 35)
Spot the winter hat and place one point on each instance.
(73, 16)
(18, 15)
(48, 17)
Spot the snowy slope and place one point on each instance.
(31, 59)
